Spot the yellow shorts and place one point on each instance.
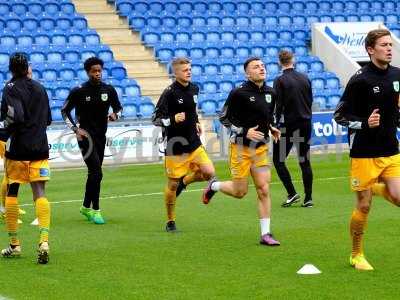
(177, 166)
(243, 159)
(365, 172)
(2, 149)
(27, 171)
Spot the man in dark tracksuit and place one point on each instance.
(26, 114)
(293, 105)
(369, 108)
(92, 101)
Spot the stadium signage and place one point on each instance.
(350, 36)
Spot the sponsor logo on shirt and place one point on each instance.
(252, 99)
(87, 98)
(268, 98)
(396, 86)
(104, 97)
(180, 101)
(376, 89)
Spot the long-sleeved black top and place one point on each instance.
(181, 137)
(294, 97)
(248, 106)
(26, 113)
(92, 103)
(371, 88)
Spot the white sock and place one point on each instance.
(265, 224)
(2, 208)
(215, 186)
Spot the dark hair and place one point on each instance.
(92, 61)
(285, 57)
(249, 60)
(373, 36)
(18, 64)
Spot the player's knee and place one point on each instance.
(263, 191)
(240, 193)
(208, 174)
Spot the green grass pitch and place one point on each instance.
(216, 255)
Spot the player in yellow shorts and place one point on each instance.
(186, 161)
(249, 114)
(369, 108)
(26, 115)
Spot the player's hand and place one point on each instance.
(276, 133)
(374, 119)
(180, 117)
(254, 135)
(112, 117)
(199, 129)
(81, 133)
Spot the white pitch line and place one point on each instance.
(161, 193)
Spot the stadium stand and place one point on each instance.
(219, 35)
(57, 41)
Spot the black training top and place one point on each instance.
(92, 103)
(294, 97)
(26, 113)
(371, 88)
(181, 137)
(248, 106)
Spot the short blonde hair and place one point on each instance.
(179, 61)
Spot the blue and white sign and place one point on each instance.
(325, 131)
(350, 36)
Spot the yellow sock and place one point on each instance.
(12, 212)
(358, 223)
(3, 191)
(381, 190)
(170, 200)
(43, 214)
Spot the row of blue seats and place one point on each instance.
(46, 24)
(304, 21)
(75, 39)
(58, 100)
(125, 7)
(166, 54)
(152, 37)
(37, 8)
(212, 69)
(131, 110)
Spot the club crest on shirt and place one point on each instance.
(195, 98)
(180, 101)
(87, 98)
(104, 97)
(252, 99)
(396, 86)
(268, 98)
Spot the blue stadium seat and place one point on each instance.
(47, 24)
(243, 7)
(208, 107)
(227, 69)
(132, 90)
(318, 83)
(199, 8)
(332, 83)
(67, 74)
(19, 9)
(211, 69)
(298, 7)
(125, 8)
(229, 7)
(332, 101)
(54, 57)
(351, 6)
(227, 37)
(271, 7)
(302, 67)
(284, 7)
(228, 21)
(146, 109)
(4, 9)
(67, 8)
(118, 72)
(156, 7)
(25, 41)
(52, 8)
(61, 93)
(56, 113)
(210, 87)
(49, 75)
(130, 111)
(79, 23)
(319, 102)
(171, 7)
(226, 86)
(317, 66)
(8, 41)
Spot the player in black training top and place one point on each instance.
(92, 101)
(293, 114)
(369, 108)
(249, 114)
(26, 114)
(186, 160)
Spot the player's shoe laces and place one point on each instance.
(11, 251)
(208, 193)
(181, 186)
(97, 218)
(307, 203)
(291, 200)
(43, 253)
(171, 226)
(269, 240)
(360, 263)
(87, 212)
